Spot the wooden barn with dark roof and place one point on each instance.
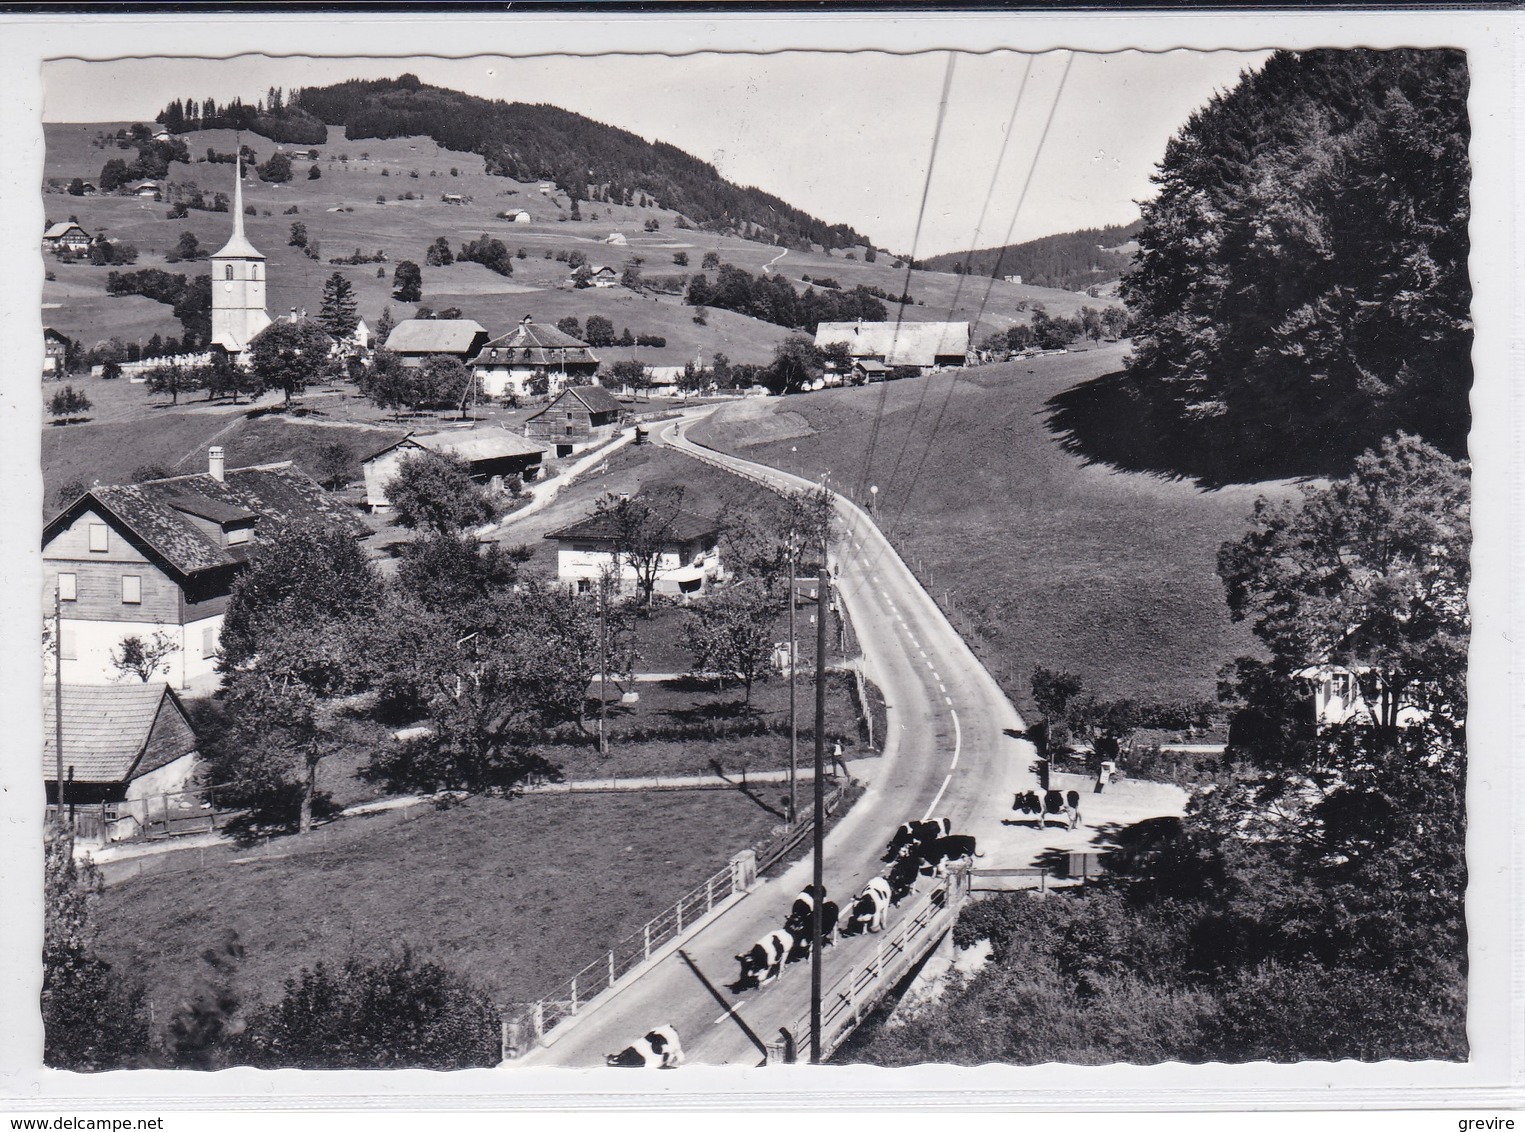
(162, 556)
(579, 417)
(124, 746)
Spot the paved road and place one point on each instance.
(949, 752)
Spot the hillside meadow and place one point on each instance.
(1056, 562)
(342, 214)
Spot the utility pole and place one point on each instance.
(794, 734)
(58, 704)
(603, 664)
(823, 584)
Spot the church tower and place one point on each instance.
(238, 283)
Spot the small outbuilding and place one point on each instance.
(579, 417)
(492, 454)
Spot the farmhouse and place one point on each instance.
(55, 350)
(492, 454)
(1338, 699)
(416, 339)
(521, 217)
(511, 362)
(162, 556)
(150, 189)
(926, 346)
(66, 237)
(595, 275)
(689, 561)
(123, 745)
(580, 417)
(616, 238)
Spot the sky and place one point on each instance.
(846, 136)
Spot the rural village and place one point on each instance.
(471, 586)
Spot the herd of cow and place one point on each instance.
(918, 849)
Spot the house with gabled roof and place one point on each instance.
(579, 417)
(925, 346)
(417, 339)
(511, 361)
(689, 562)
(124, 746)
(66, 236)
(491, 454)
(161, 556)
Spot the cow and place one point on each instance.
(933, 859)
(659, 1049)
(804, 903)
(765, 960)
(799, 927)
(1064, 806)
(868, 911)
(916, 833)
(1029, 803)
(902, 877)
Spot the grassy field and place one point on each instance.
(1058, 563)
(341, 212)
(493, 890)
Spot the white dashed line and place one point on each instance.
(947, 701)
(938, 798)
(958, 739)
(941, 687)
(923, 653)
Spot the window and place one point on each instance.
(209, 637)
(238, 535)
(132, 589)
(584, 586)
(227, 271)
(98, 537)
(68, 587)
(66, 646)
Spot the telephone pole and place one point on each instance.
(603, 664)
(58, 704)
(794, 734)
(823, 583)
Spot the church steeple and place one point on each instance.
(238, 281)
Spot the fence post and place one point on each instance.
(744, 871)
(678, 908)
(537, 1020)
(646, 939)
(611, 967)
(709, 893)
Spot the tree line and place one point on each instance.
(772, 298)
(1070, 261)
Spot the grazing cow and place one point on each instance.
(799, 927)
(902, 877)
(1029, 803)
(804, 903)
(868, 911)
(916, 833)
(765, 960)
(934, 858)
(659, 1049)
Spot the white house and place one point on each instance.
(616, 238)
(530, 350)
(689, 561)
(925, 346)
(1337, 698)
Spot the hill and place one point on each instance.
(387, 195)
(1043, 557)
(587, 160)
(1070, 261)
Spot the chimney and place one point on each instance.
(527, 320)
(214, 462)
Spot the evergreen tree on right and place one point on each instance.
(1301, 288)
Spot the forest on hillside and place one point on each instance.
(586, 159)
(1069, 261)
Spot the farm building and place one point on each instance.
(926, 346)
(580, 417)
(148, 189)
(1339, 699)
(55, 350)
(689, 562)
(66, 237)
(492, 454)
(521, 217)
(162, 556)
(123, 746)
(616, 238)
(530, 350)
(417, 338)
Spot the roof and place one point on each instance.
(906, 344)
(108, 727)
(470, 445)
(535, 344)
(594, 398)
(59, 229)
(435, 336)
(157, 512)
(600, 527)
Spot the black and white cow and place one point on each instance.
(798, 926)
(1029, 803)
(916, 833)
(659, 1049)
(868, 911)
(804, 903)
(934, 858)
(903, 874)
(1065, 806)
(765, 960)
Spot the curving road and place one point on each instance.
(949, 752)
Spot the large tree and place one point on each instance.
(434, 491)
(641, 529)
(1301, 286)
(289, 356)
(407, 282)
(338, 316)
(732, 633)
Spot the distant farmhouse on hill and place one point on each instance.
(880, 347)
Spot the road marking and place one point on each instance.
(947, 701)
(923, 653)
(958, 738)
(730, 1010)
(938, 798)
(941, 687)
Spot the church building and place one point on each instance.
(238, 284)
